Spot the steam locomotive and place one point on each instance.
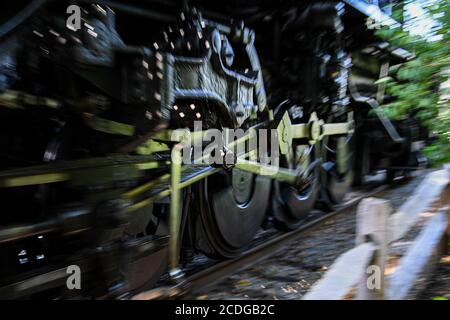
(92, 92)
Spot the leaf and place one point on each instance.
(243, 283)
(383, 80)
(439, 298)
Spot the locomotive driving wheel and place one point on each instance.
(232, 207)
(337, 164)
(143, 228)
(292, 203)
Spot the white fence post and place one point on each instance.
(343, 275)
(372, 226)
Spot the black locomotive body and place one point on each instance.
(91, 93)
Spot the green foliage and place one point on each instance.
(416, 84)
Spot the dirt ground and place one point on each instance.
(290, 273)
(438, 287)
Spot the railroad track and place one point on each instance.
(213, 274)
